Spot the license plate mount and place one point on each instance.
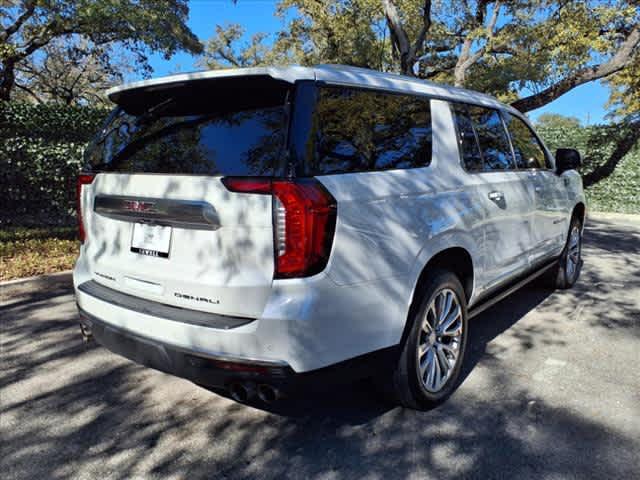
(151, 240)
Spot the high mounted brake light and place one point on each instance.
(83, 179)
(304, 220)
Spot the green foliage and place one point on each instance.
(555, 120)
(538, 48)
(138, 27)
(41, 148)
(619, 192)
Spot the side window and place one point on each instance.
(467, 141)
(494, 143)
(361, 130)
(528, 151)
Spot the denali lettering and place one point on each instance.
(185, 296)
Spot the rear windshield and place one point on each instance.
(213, 136)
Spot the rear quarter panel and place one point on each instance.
(391, 223)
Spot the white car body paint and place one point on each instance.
(389, 225)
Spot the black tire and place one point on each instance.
(407, 385)
(563, 276)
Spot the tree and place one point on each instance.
(538, 48)
(71, 72)
(555, 120)
(28, 26)
(525, 52)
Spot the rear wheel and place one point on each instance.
(432, 353)
(567, 271)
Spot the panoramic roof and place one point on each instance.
(331, 74)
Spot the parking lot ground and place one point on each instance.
(551, 390)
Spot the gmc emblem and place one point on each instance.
(138, 206)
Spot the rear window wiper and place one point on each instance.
(154, 111)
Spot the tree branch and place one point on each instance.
(627, 140)
(620, 60)
(426, 25)
(467, 59)
(29, 91)
(398, 34)
(11, 29)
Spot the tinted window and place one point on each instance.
(359, 130)
(467, 140)
(494, 143)
(526, 147)
(241, 142)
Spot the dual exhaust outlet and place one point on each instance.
(244, 391)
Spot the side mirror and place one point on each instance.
(567, 159)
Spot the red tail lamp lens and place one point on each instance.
(83, 179)
(304, 220)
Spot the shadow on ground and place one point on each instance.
(68, 410)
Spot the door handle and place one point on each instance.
(496, 196)
(538, 189)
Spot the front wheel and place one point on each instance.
(432, 353)
(567, 271)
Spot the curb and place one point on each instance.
(44, 276)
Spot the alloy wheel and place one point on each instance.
(573, 252)
(440, 340)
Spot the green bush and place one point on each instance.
(41, 149)
(620, 192)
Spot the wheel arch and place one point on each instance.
(456, 259)
(579, 211)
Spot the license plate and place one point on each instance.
(151, 240)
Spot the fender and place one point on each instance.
(453, 238)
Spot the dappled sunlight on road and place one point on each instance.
(532, 404)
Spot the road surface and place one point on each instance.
(551, 390)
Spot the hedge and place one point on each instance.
(620, 192)
(41, 150)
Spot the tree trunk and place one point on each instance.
(624, 145)
(7, 80)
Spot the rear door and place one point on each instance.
(160, 224)
(505, 195)
(550, 222)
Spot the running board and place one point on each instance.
(493, 299)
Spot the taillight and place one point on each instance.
(304, 220)
(83, 179)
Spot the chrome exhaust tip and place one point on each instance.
(268, 394)
(242, 392)
(85, 328)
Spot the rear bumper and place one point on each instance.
(221, 371)
(209, 370)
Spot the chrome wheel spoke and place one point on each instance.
(573, 253)
(451, 349)
(444, 361)
(438, 376)
(439, 342)
(445, 326)
(431, 368)
(422, 349)
(447, 303)
(425, 362)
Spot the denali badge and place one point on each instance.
(184, 296)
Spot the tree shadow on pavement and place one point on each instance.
(68, 411)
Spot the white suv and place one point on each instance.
(263, 229)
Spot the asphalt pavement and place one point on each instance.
(551, 391)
